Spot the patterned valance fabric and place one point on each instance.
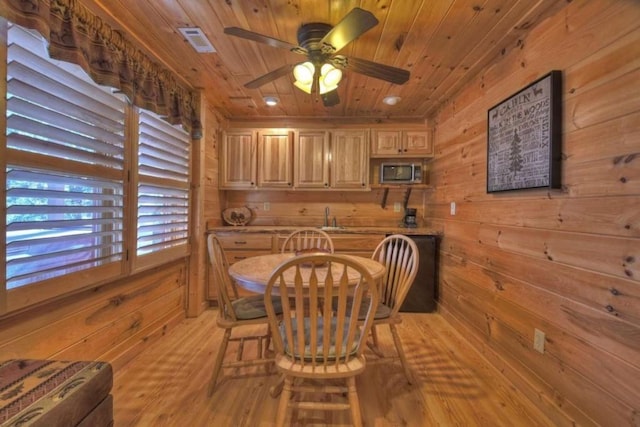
(76, 35)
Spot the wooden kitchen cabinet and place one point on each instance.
(305, 159)
(311, 159)
(275, 159)
(253, 159)
(401, 143)
(238, 160)
(361, 244)
(350, 159)
(356, 244)
(238, 246)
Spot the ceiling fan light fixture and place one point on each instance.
(303, 72)
(324, 88)
(320, 43)
(330, 75)
(305, 87)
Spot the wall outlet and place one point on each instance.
(453, 208)
(397, 207)
(266, 206)
(538, 341)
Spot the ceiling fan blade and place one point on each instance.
(374, 69)
(269, 77)
(260, 38)
(353, 25)
(330, 98)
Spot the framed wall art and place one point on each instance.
(524, 137)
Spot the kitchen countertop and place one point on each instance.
(347, 230)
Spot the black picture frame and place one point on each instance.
(524, 134)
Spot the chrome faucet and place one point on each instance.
(326, 216)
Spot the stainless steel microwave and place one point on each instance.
(400, 173)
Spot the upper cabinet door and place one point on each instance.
(275, 159)
(311, 159)
(238, 160)
(386, 143)
(350, 159)
(401, 143)
(417, 143)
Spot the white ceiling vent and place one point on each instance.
(197, 39)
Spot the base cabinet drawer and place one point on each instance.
(356, 244)
(243, 241)
(235, 256)
(238, 246)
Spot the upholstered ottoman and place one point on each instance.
(55, 393)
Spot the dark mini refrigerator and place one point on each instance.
(423, 292)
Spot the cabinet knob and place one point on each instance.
(399, 150)
(326, 184)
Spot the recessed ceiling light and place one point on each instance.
(270, 100)
(391, 100)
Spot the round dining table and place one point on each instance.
(253, 273)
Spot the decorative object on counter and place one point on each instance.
(524, 137)
(237, 216)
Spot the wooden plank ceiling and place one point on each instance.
(443, 43)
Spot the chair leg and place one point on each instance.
(354, 403)
(218, 365)
(283, 405)
(403, 358)
(373, 343)
(275, 390)
(374, 336)
(267, 342)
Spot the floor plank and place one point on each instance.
(166, 385)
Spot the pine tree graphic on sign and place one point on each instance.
(515, 156)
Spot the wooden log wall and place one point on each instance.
(563, 261)
(113, 322)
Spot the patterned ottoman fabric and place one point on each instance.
(55, 393)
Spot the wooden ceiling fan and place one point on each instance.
(320, 43)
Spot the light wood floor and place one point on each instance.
(166, 385)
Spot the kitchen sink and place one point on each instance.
(330, 228)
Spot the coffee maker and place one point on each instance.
(409, 220)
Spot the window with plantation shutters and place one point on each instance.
(163, 189)
(95, 188)
(64, 160)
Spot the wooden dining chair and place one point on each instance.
(315, 341)
(399, 254)
(236, 313)
(307, 238)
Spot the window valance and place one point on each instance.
(76, 35)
